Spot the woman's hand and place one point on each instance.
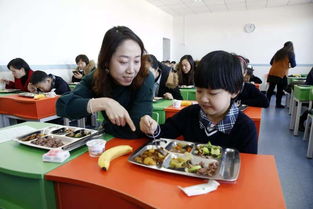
(78, 75)
(168, 95)
(31, 88)
(148, 125)
(116, 113)
(4, 81)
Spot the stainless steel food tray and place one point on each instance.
(228, 169)
(69, 143)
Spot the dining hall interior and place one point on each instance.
(49, 35)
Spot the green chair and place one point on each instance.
(301, 96)
(309, 153)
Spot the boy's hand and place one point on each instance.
(148, 125)
(31, 88)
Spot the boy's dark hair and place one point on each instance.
(83, 58)
(19, 63)
(219, 70)
(38, 76)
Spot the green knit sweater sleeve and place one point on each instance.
(74, 104)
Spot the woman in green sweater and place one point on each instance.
(121, 88)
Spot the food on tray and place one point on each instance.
(185, 164)
(151, 157)
(62, 131)
(181, 148)
(112, 153)
(48, 141)
(78, 134)
(208, 150)
(186, 103)
(32, 136)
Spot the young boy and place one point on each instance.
(45, 83)
(215, 118)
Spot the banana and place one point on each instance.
(112, 153)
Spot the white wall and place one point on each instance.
(54, 32)
(199, 34)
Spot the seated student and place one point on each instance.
(161, 73)
(250, 95)
(186, 69)
(21, 72)
(45, 83)
(250, 77)
(215, 118)
(84, 66)
(121, 87)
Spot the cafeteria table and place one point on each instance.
(22, 173)
(23, 108)
(188, 93)
(158, 109)
(82, 184)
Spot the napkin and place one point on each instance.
(200, 188)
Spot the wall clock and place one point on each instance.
(249, 27)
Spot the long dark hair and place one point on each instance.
(102, 81)
(19, 63)
(283, 52)
(186, 79)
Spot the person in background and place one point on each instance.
(172, 65)
(250, 77)
(121, 87)
(186, 69)
(21, 72)
(303, 117)
(218, 80)
(250, 95)
(45, 83)
(282, 60)
(161, 74)
(84, 66)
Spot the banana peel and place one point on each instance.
(112, 153)
(39, 96)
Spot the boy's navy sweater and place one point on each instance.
(60, 86)
(242, 137)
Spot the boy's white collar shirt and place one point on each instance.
(224, 125)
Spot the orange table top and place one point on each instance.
(258, 183)
(27, 107)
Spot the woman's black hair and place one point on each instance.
(283, 52)
(38, 76)
(186, 79)
(19, 63)
(153, 61)
(83, 58)
(219, 70)
(113, 38)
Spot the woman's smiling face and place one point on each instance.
(125, 62)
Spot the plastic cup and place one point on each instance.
(96, 147)
(176, 103)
